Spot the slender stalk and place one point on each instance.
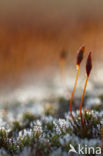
(79, 60)
(71, 100)
(82, 100)
(88, 71)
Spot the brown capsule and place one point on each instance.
(63, 55)
(89, 64)
(80, 55)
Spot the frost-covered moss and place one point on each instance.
(47, 135)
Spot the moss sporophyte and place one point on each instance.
(79, 60)
(88, 70)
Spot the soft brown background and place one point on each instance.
(34, 32)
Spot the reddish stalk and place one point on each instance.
(75, 84)
(88, 70)
(79, 60)
(83, 99)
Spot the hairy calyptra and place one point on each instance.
(88, 70)
(79, 60)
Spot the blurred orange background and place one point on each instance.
(34, 32)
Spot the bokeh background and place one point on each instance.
(34, 32)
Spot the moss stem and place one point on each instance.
(71, 100)
(82, 121)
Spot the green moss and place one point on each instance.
(50, 126)
(26, 141)
(16, 126)
(55, 141)
(27, 119)
(86, 130)
(97, 107)
(3, 137)
(28, 116)
(50, 110)
(14, 144)
(101, 97)
(12, 148)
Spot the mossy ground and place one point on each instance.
(48, 134)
